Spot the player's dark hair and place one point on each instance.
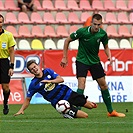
(97, 16)
(29, 63)
(1, 16)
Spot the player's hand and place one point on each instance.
(63, 62)
(19, 113)
(111, 61)
(10, 72)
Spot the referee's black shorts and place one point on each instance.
(4, 68)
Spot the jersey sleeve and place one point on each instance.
(77, 34)
(31, 91)
(105, 39)
(52, 73)
(12, 41)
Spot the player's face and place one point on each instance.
(95, 25)
(34, 69)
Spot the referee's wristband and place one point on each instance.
(12, 65)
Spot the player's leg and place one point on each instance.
(107, 99)
(78, 100)
(81, 114)
(6, 93)
(81, 85)
(81, 100)
(81, 73)
(105, 93)
(98, 74)
(75, 113)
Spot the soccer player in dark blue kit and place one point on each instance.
(46, 82)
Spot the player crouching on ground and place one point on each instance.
(46, 82)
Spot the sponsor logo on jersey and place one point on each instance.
(49, 86)
(86, 40)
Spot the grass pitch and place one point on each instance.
(45, 119)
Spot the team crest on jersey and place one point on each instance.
(4, 45)
(49, 86)
(98, 40)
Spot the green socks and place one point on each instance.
(107, 100)
(105, 96)
(80, 91)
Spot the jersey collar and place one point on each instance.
(89, 29)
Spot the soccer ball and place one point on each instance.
(63, 106)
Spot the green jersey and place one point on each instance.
(89, 44)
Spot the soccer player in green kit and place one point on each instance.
(88, 60)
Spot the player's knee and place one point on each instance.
(103, 87)
(5, 87)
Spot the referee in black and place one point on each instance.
(7, 43)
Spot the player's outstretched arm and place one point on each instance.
(24, 106)
(108, 53)
(64, 61)
(58, 79)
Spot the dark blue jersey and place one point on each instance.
(50, 91)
